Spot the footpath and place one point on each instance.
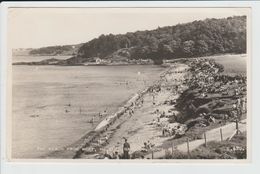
(228, 131)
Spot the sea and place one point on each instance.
(52, 105)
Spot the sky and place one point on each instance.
(39, 27)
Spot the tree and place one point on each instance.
(124, 42)
(164, 51)
(152, 43)
(201, 47)
(188, 48)
(174, 45)
(157, 59)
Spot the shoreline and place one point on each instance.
(109, 120)
(129, 103)
(71, 151)
(139, 127)
(104, 125)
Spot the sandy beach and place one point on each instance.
(144, 118)
(137, 127)
(167, 114)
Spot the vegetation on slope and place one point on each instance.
(236, 148)
(198, 38)
(194, 39)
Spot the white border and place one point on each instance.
(27, 168)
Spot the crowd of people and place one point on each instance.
(208, 79)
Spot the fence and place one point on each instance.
(184, 150)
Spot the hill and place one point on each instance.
(198, 38)
(194, 39)
(61, 50)
(57, 50)
(21, 51)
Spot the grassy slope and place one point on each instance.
(233, 149)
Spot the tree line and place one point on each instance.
(51, 50)
(198, 38)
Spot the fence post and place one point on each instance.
(237, 126)
(221, 135)
(172, 149)
(188, 147)
(205, 137)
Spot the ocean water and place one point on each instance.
(52, 105)
(233, 64)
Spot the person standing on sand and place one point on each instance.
(105, 112)
(130, 113)
(153, 99)
(92, 120)
(126, 148)
(106, 138)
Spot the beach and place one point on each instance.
(137, 127)
(148, 110)
(141, 122)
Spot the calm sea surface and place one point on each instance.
(52, 105)
(233, 64)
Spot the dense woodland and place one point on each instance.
(198, 38)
